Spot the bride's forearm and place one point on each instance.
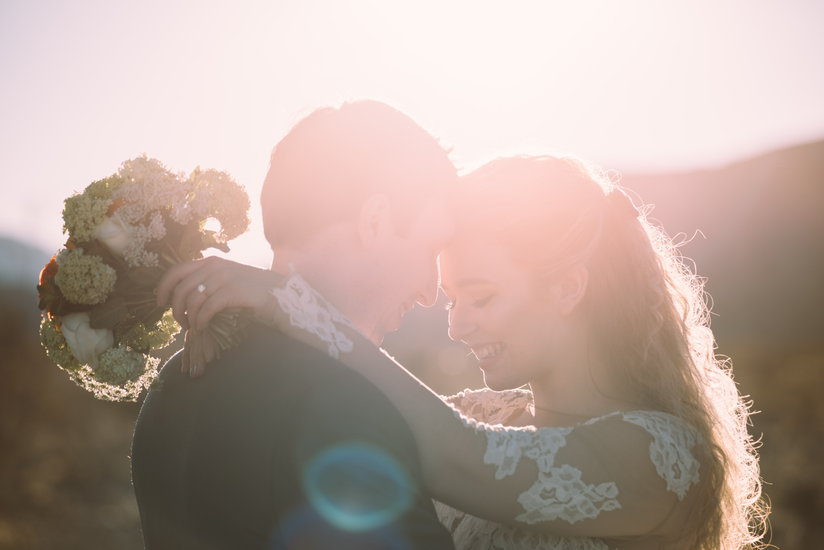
(451, 453)
(476, 467)
(451, 448)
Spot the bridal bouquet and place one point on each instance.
(100, 321)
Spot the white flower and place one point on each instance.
(86, 343)
(115, 233)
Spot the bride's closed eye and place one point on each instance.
(481, 302)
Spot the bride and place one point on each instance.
(607, 420)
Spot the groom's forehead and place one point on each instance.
(435, 217)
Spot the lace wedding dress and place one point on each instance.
(594, 478)
(560, 493)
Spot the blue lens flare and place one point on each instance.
(357, 486)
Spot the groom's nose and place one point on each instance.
(428, 292)
(428, 296)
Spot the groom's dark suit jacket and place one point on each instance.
(267, 447)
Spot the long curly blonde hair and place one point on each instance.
(646, 308)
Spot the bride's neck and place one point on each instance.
(578, 384)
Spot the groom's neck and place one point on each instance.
(334, 279)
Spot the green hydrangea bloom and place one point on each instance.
(103, 189)
(55, 345)
(148, 339)
(102, 385)
(117, 366)
(81, 215)
(84, 279)
(83, 212)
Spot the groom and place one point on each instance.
(279, 445)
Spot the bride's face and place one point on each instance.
(501, 311)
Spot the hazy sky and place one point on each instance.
(628, 84)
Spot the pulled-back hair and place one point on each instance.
(646, 309)
(331, 161)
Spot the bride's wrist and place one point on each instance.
(268, 311)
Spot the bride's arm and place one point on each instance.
(197, 290)
(593, 480)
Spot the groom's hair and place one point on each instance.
(323, 170)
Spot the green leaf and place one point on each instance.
(190, 242)
(96, 248)
(143, 276)
(209, 240)
(109, 313)
(223, 247)
(154, 315)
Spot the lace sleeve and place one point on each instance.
(623, 474)
(619, 475)
(309, 312)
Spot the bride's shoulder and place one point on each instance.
(657, 424)
(665, 430)
(669, 443)
(488, 405)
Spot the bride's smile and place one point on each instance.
(498, 310)
(487, 352)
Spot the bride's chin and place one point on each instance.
(496, 374)
(502, 380)
(495, 383)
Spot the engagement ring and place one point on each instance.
(201, 288)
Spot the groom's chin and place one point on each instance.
(389, 328)
(376, 336)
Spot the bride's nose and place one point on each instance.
(461, 325)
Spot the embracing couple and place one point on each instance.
(607, 421)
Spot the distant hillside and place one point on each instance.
(756, 229)
(20, 263)
(761, 249)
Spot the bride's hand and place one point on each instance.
(199, 289)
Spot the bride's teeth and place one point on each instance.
(488, 351)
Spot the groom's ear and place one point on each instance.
(375, 222)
